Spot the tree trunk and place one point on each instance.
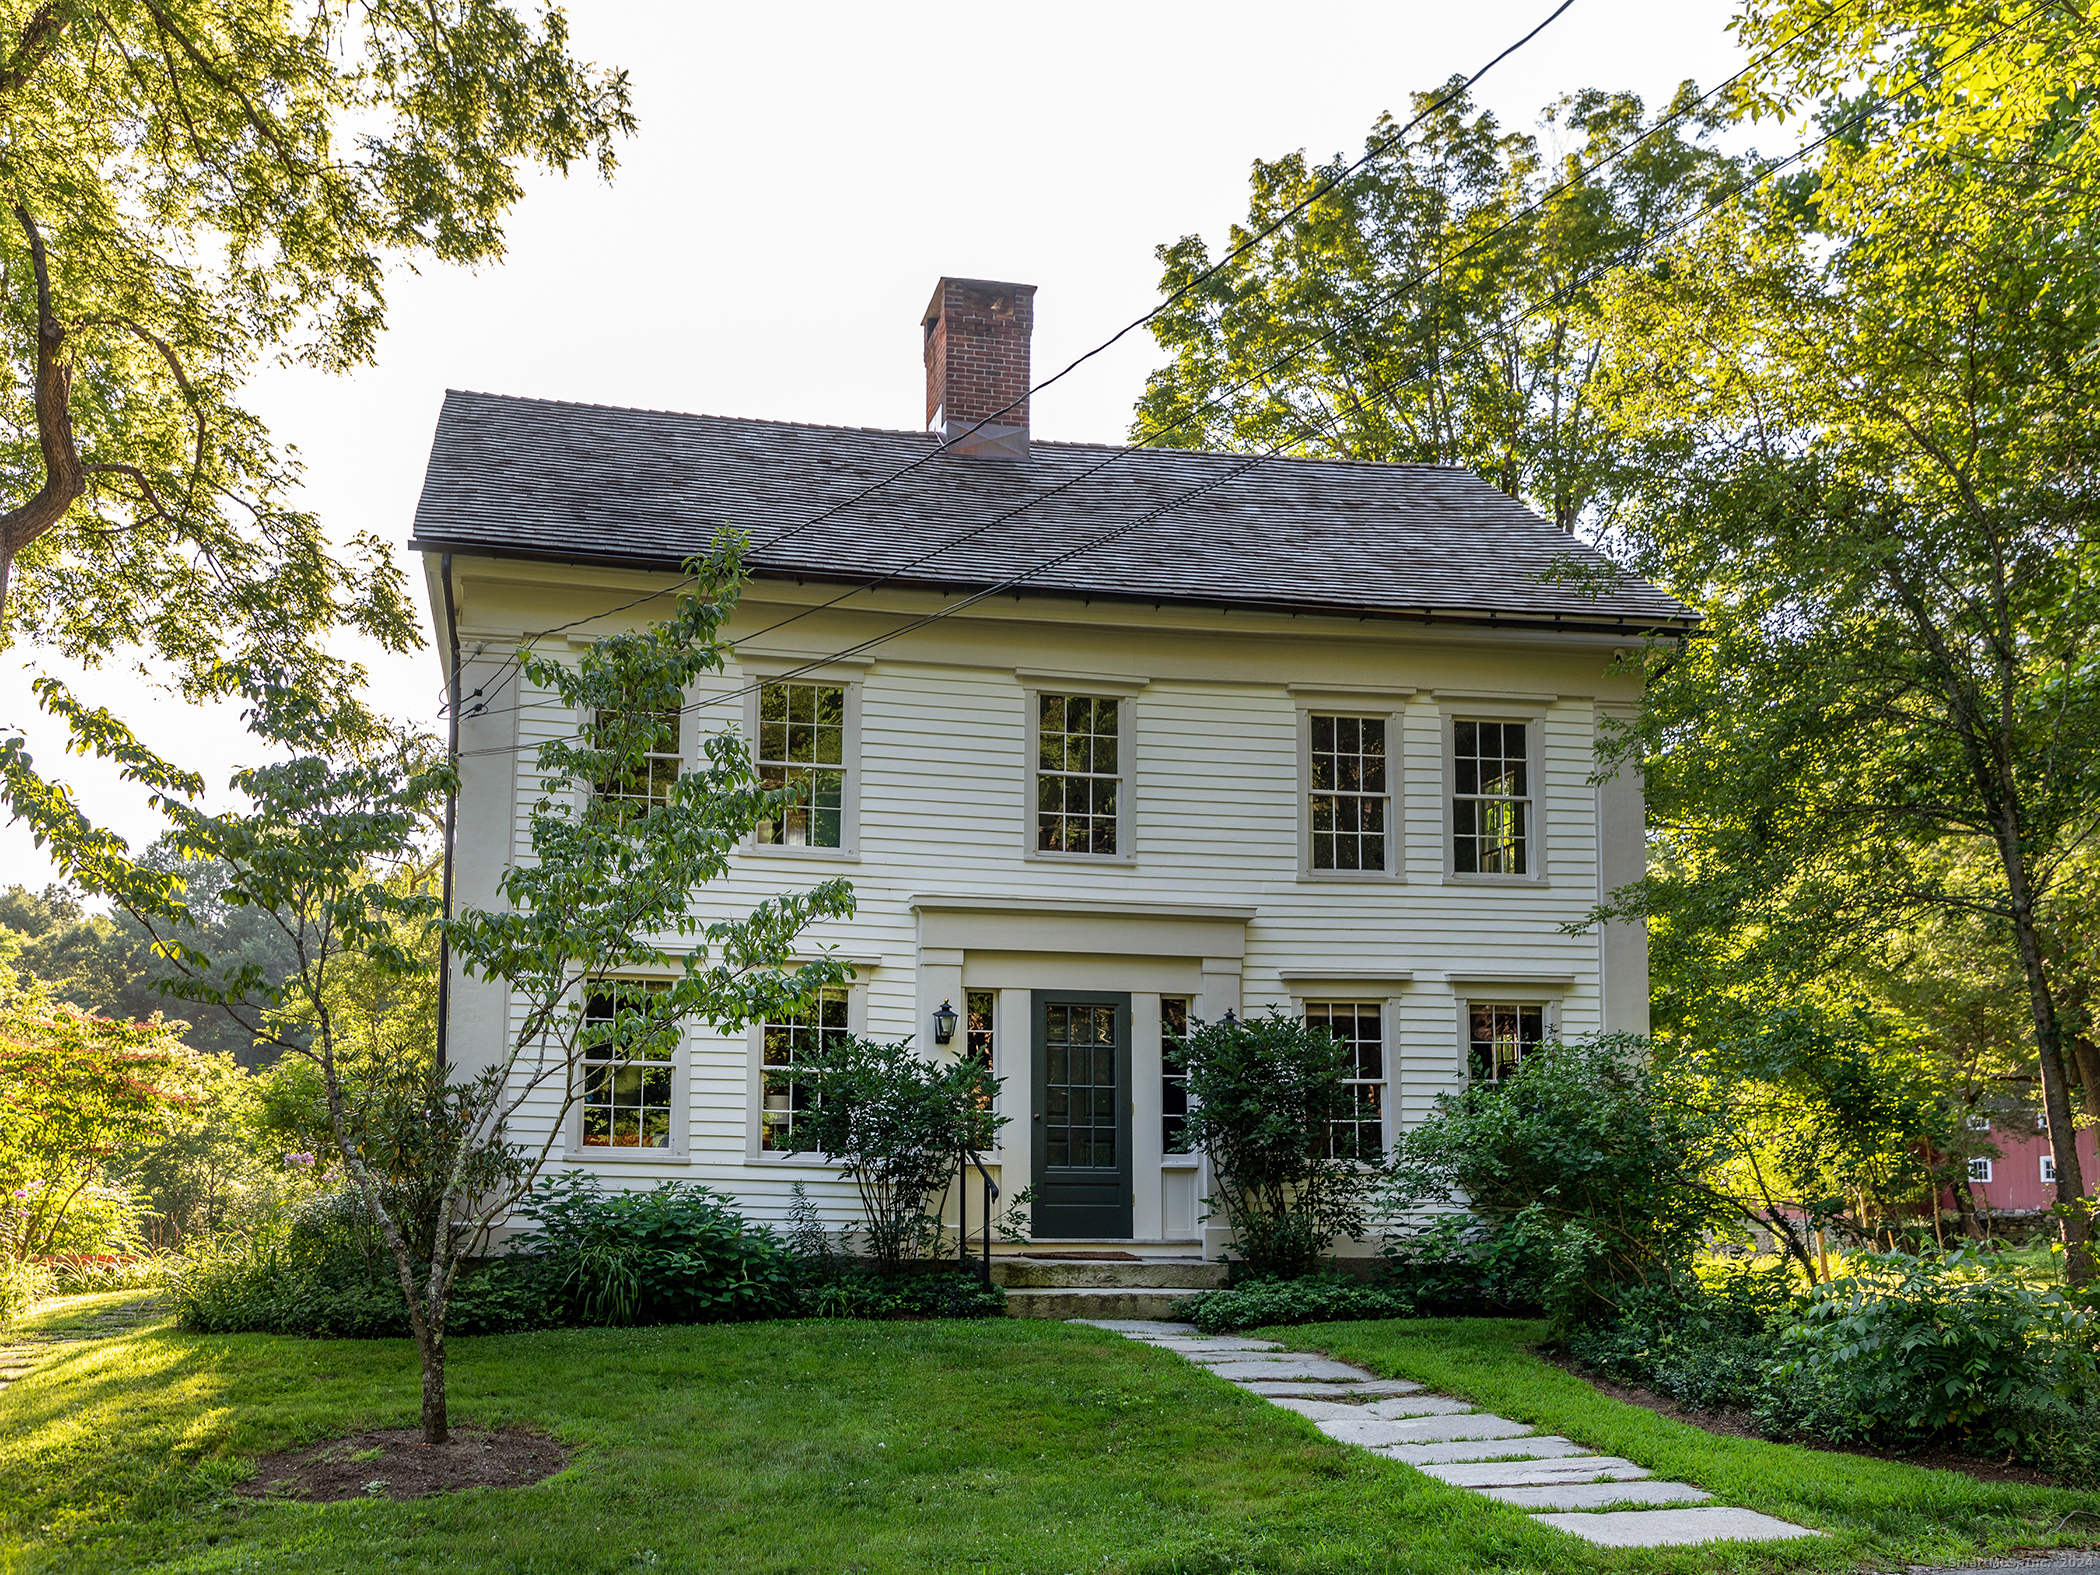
(64, 480)
(1965, 1206)
(2085, 1055)
(430, 1346)
(2072, 1221)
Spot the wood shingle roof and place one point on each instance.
(587, 483)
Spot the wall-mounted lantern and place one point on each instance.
(944, 1024)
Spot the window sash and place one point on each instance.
(626, 1100)
(980, 1033)
(1173, 1075)
(783, 1043)
(1980, 1170)
(1360, 1025)
(1079, 774)
(1348, 798)
(801, 748)
(650, 782)
(1499, 1034)
(1491, 800)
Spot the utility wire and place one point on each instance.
(1326, 187)
(1104, 538)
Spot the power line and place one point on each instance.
(1104, 538)
(1450, 94)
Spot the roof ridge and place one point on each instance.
(907, 432)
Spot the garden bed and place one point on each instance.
(395, 1463)
(1739, 1424)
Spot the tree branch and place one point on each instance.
(64, 480)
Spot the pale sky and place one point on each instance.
(801, 177)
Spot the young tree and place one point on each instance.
(1868, 414)
(1435, 308)
(606, 890)
(75, 1091)
(193, 190)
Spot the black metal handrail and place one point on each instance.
(962, 1214)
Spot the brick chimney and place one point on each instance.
(977, 364)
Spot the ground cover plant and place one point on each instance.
(1007, 1444)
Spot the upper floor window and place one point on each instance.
(789, 1041)
(1348, 798)
(802, 751)
(1359, 1026)
(1499, 1035)
(627, 1067)
(1491, 798)
(1079, 774)
(648, 782)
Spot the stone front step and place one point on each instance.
(1079, 1301)
(1179, 1274)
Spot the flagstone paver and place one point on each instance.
(1582, 1494)
(1655, 1528)
(1598, 1495)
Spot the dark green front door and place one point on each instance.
(1082, 1115)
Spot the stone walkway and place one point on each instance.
(1600, 1498)
(20, 1350)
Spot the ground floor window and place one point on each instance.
(2049, 1169)
(1360, 1027)
(1499, 1035)
(1173, 1076)
(788, 1041)
(627, 1067)
(1979, 1170)
(979, 1045)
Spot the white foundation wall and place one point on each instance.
(1215, 791)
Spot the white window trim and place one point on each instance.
(755, 1086)
(1337, 992)
(1463, 997)
(1534, 720)
(1395, 871)
(757, 675)
(1985, 1178)
(680, 1151)
(2048, 1170)
(1126, 773)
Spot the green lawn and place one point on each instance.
(1005, 1445)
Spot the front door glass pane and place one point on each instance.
(1079, 1116)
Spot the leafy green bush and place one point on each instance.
(1583, 1161)
(900, 1124)
(1457, 1265)
(89, 1273)
(845, 1289)
(1270, 1103)
(679, 1253)
(1908, 1348)
(1707, 1344)
(1312, 1298)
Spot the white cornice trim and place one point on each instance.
(1346, 975)
(1080, 907)
(1037, 678)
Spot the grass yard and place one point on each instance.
(1004, 1445)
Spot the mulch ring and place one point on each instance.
(1739, 1424)
(396, 1463)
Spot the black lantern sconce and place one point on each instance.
(944, 1024)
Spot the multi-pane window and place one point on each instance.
(789, 1042)
(1079, 1086)
(1499, 1035)
(1347, 806)
(1360, 1030)
(1078, 773)
(627, 1067)
(1173, 1076)
(1979, 1170)
(2049, 1169)
(802, 752)
(978, 1043)
(1491, 799)
(649, 781)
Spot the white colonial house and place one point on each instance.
(1104, 740)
